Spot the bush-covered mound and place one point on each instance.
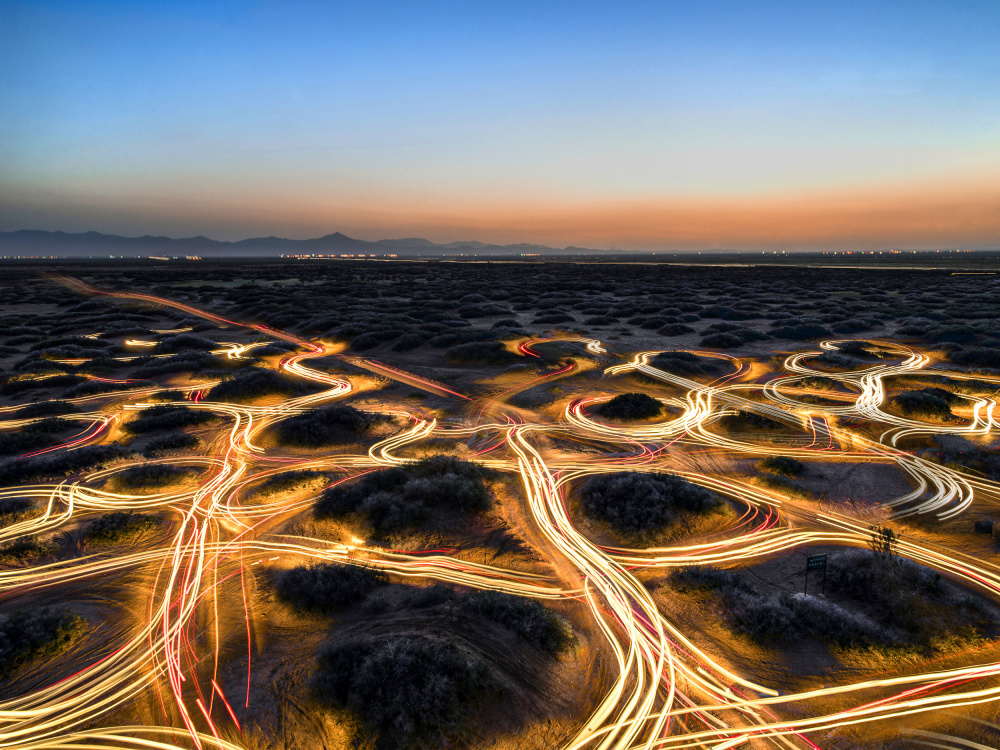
(114, 528)
(338, 423)
(326, 587)
(258, 383)
(165, 443)
(60, 464)
(880, 600)
(408, 692)
(166, 417)
(400, 498)
(34, 436)
(24, 548)
(634, 502)
(631, 406)
(286, 480)
(148, 476)
(690, 365)
(781, 465)
(927, 402)
(530, 620)
(748, 421)
(30, 634)
(13, 509)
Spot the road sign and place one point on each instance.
(815, 562)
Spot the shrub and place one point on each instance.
(184, 342)
(286, 480)
(326, 587)
(148, 476)
(25, 547)
(687, 364)
(30, 634)
(32, 437)
(631, 406)
(167, 417)
(489, 352)
(13, 509)
(407, 597)
(401, 497)
(114, 528)
(721, 341)
(923, 403)
(88, 457)
(528, 619)
(94, 387)
(328, 424)
(256, 384)
(743, 421)
(164, 443)
(783, 465)
(634, 502)
(675, 329)
(977, 358)
(800, 332)
(45, 409)
(408, 692)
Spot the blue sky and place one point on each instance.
(232, 119)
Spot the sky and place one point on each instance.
(633, 125)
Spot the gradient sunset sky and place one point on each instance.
(660, 125)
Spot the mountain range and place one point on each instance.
(34, 242)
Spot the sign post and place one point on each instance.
(815, 562)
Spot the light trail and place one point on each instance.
(666, 693)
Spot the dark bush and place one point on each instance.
(978, 358)
(184, 342)
(687, 364)
(783, 465)
(167, 417)
(923, 403)
(634, 502)
(393, 599)
(800, 332)
(32, 437)
(114, 528)
(13, 509)
(408, 693)
(164, 443)
(148, 476)
(489, 352)
(631, 406)
(745, 421)
(400, 498)
(93, 387)
(17, 385)
(61, 464)
(25, 547)
(329, 424)
(27, 635)
(325, 587)
(528, 619)
(675, 329)
(721, 341)
(286, 480)
(45, 409)
(256, 384)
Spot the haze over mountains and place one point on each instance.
(33, 242)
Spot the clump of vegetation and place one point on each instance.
(114, 528)
(927, 402)
(24, 548)
(407, 692)
(528, 619)
(13, 509)
(184, 342)
(329, 424)
(689, 365)
(634, 502)
(41, 467)
(148, 476)
(400, 498)
(27, 635)
(631, 406)
(167, 417)
(256, 384)
(748, 421)
(488, 352)
(45, 409)
(286, 480)
(781, 484)
(34, 436)
(979, 358)
(781, 465)
(93, 387)
(326, 587)
(165, 443)
(393, 599)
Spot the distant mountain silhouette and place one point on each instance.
(34, 242)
